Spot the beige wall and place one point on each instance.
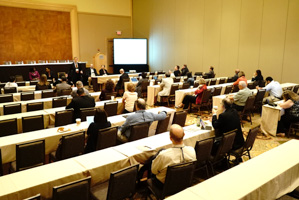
(228, 34)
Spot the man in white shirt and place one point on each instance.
(11, 83)
(178, 153)
(166, 86)
(274, 89)
(91, 72)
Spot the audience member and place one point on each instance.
(140, 116)
(62, 86)
(108, 89)
(120, 82)
(274, 89)
(241, 76)
(177, 71)
(91, 72)
(184, 70)
(75, 72)
(257, 77)
(226, 119)
(33, 74)
(139, 84)
(129, 98)
(171, 74)
(197, 97)
(103, 70)
(50, 75)
(11, 83)
(190, 78)
(178, 153)
(291, 107)
(236, 76)
(83, 101)
(240, 98)
(43, 83)
(211, 73)
(100, 122)
(79, 84)
(166, 86)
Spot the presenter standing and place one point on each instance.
(75, 73)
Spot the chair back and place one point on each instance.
(206, 96)
(139, 131)
(35, 106)
(213, 81)
(32, 123)
(25, 96)
(173, 88)
(144, 85)
(158, 81)
(228, 89)
(251, 138)
(33, 82)
(2, 85)
(31, 154)
(19, 78)
(229, 80)
(8, 127)
(196, 84)
(186, 85)
(111, 108)
(109, 95)
(122, 184)
(64, 117)
(203, 149)
(205, 76)
(107, 138)
(249, 103)
(48, 93)
(180, 118)
(76, 190)
(260, 96)
(178, 178)
(176, 79)
(261, 83)
(35, 197)
(198, 74)
(222, 80)
(4, 98)
(22, 83)
(226, 144)
(207, 82)
(12, 109)
(59, 102)
(8, 90)
(251, 85)
(84, 112)
(66, 92)
(1, 167)
(162, 125)
(295, 89)
(217, 91)
(235, 88)
(71, 145)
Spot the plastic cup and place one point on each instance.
(78, 121)
(112, 98)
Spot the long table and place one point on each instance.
(267, 176)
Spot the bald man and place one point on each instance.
(241, 96)
(123, 76)
(178, 153)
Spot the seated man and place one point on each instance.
(103, 70)
(123, 76)
(166, 86)
(91, 72)
(11, 83)
(184, 70)
(140, 116)
(227, 120)
(236, 76)
(274, 89)
(177, 71)
(62, 86)
(241, 96)
(79, 84)
(178, 153)
(211, 73)
(83, 101)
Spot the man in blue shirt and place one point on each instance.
(274, 89)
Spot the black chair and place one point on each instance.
(12, 109)
(245, 150)
(8, 90)
(228, 89)
(162, 125)
(205, 101)
(203, 149)
(64, 117)
(295, 193)
(33, 82)
(19, 78)
(71, 145)
(25, 96)
(8, 127)
(139, 131)
(229, 80)
(294, 128)
(36, 197)
(198, 74)
(84, 112)
(76, 190)
(22, 83)
(177, 79)
(235, 88)
(111, 108)
(217, 91)
(171, 95)
(186, 85)
(223, 150)
(222, 80)
(213, 81)
(48, 93)
(35, 106)
(258, 102)
(32, 123)
(196, 84)
(178, 178)
(180, 118)
(28, 155)
(109, 95)
(251, 85)
(59, 102)
(1, 167)
(122, 185)
(144, 85)
(295, 89)
(248, 108)
(2, 85)
(66, 92)
(107, 138)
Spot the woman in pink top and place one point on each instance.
(241, 75)
(33, 74)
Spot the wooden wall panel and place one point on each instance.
(29, 34)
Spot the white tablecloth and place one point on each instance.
(103, 79)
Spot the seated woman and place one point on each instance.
(257, 77)
(139, 84)
(196, 98)
(129, 98)
(110, 87)
(100, 122)
(33, 74)
(11, 83)
(43, 83)
(291, 106)
(241, 75)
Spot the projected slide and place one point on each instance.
(130, 51)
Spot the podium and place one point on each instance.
(98, 60)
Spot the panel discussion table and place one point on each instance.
(267, 176)
(97, 164)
